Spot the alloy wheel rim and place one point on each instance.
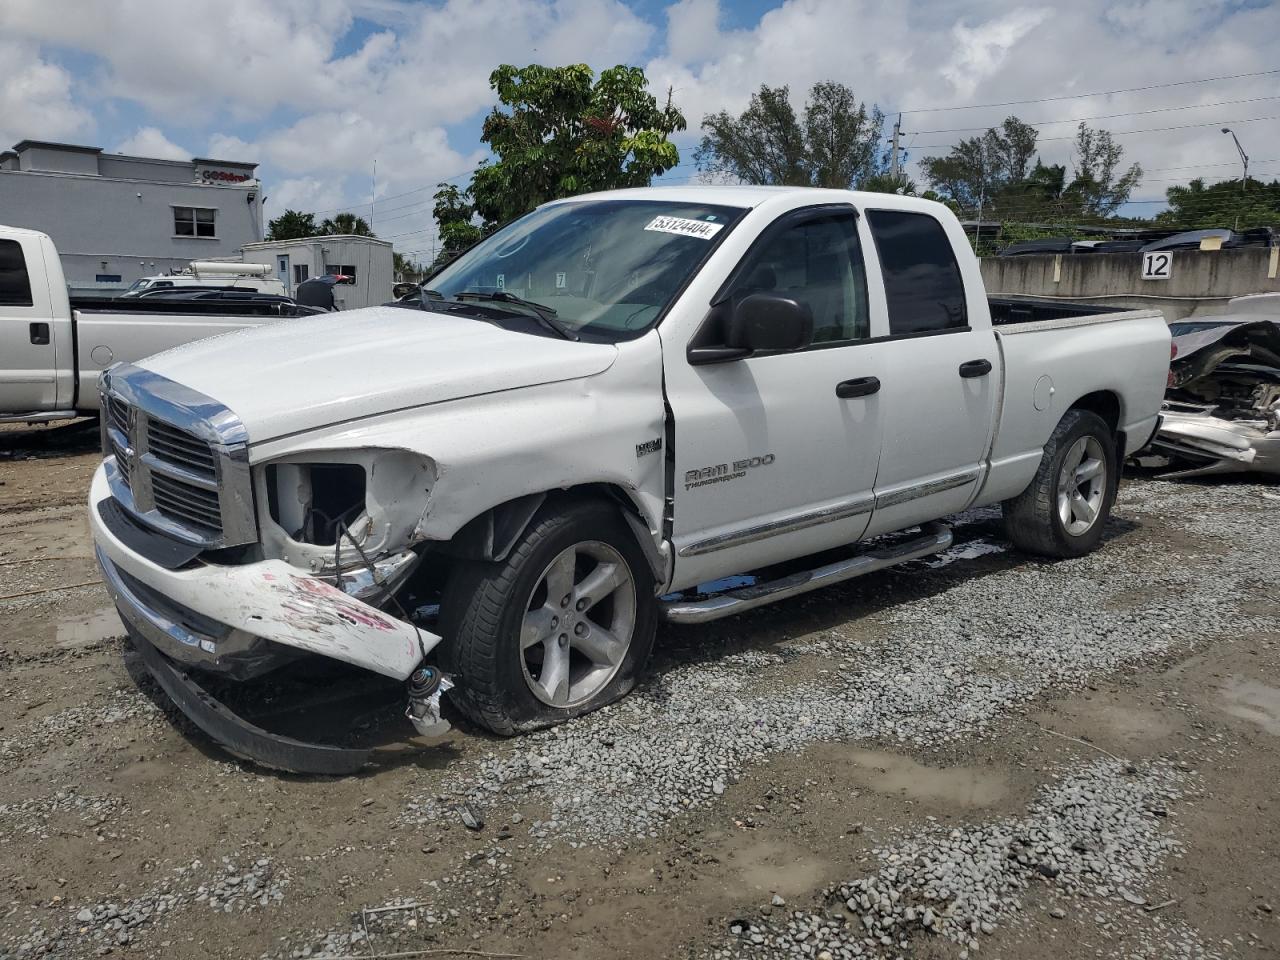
(578, 624)
(1082, 485)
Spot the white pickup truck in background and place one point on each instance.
(597, 412)
(53, 349)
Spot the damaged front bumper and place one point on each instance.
(1202, 445)
(233, 619)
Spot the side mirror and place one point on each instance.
(769, 322)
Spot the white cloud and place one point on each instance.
(423, 68)
(150, 142)
(982, 50)
(36, 99)
(303, 193)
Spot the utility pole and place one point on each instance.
(373, 194)
(893, 160)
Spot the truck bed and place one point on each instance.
(1005, 310)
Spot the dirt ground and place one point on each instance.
(110, 803)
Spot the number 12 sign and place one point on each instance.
(1157, 265)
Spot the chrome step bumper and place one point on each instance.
(933, 538)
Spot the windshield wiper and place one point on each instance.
(546, 315)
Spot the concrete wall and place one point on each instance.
(125, 227)
(1201, 281)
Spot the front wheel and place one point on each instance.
(561, 627)
(1065, 507)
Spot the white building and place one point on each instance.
(116, 218)
(367, 262)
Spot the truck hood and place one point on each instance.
(290, 376)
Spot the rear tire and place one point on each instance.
(561, 627)
(1065, 507)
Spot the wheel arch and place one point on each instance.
(1107, 405)
(493, 533)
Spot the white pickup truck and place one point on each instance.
(598, 412)
(52, 349)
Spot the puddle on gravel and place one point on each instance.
(899, 776)
(1253, 701)
(77, 633)
(765, 865)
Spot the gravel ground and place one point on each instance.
(1095, 834)
(943, 668)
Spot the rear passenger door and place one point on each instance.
(28, 362)
(941, 375)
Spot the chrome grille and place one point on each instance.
(177, 446)
(187, 503)
(177, 460)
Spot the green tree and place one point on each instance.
(837, 144)
(455, 215)
(564, 132)
(292, 225)
(842, 138)
(1098, 185)
(764, 145)
(346, 224)
(888, 183)
(403, 266)
(979, 169)
(1196, 206)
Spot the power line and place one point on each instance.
(1126, 133)
(1225, 163)
(1100, 93)
(1109, 116)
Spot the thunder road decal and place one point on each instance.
(724, 472)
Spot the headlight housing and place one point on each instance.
(306, 501)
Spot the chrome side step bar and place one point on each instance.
(933, 538)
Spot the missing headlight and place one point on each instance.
(311, 500)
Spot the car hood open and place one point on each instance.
(297, 375)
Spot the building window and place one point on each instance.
(300, 272)
(347, 270)
(193, 222)
(108, 278)
(15, 284)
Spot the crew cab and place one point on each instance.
(52, 348)
(598, 415)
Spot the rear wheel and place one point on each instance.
(560, 628)
(1064, 509)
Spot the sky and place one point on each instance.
(319, 91)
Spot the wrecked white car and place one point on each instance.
(1222, 412)
(604, 405)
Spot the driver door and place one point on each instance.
(776, 454)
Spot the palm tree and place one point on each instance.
(346, 224)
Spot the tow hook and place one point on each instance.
(426, 684)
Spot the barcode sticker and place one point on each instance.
(685, 228)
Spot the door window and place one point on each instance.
(15, 283)
(922, 282)
(817, 262)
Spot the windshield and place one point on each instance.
(607, 268)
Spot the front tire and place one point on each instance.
(1065, 507)
(561, 627)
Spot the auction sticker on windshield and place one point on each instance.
(684, 227)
